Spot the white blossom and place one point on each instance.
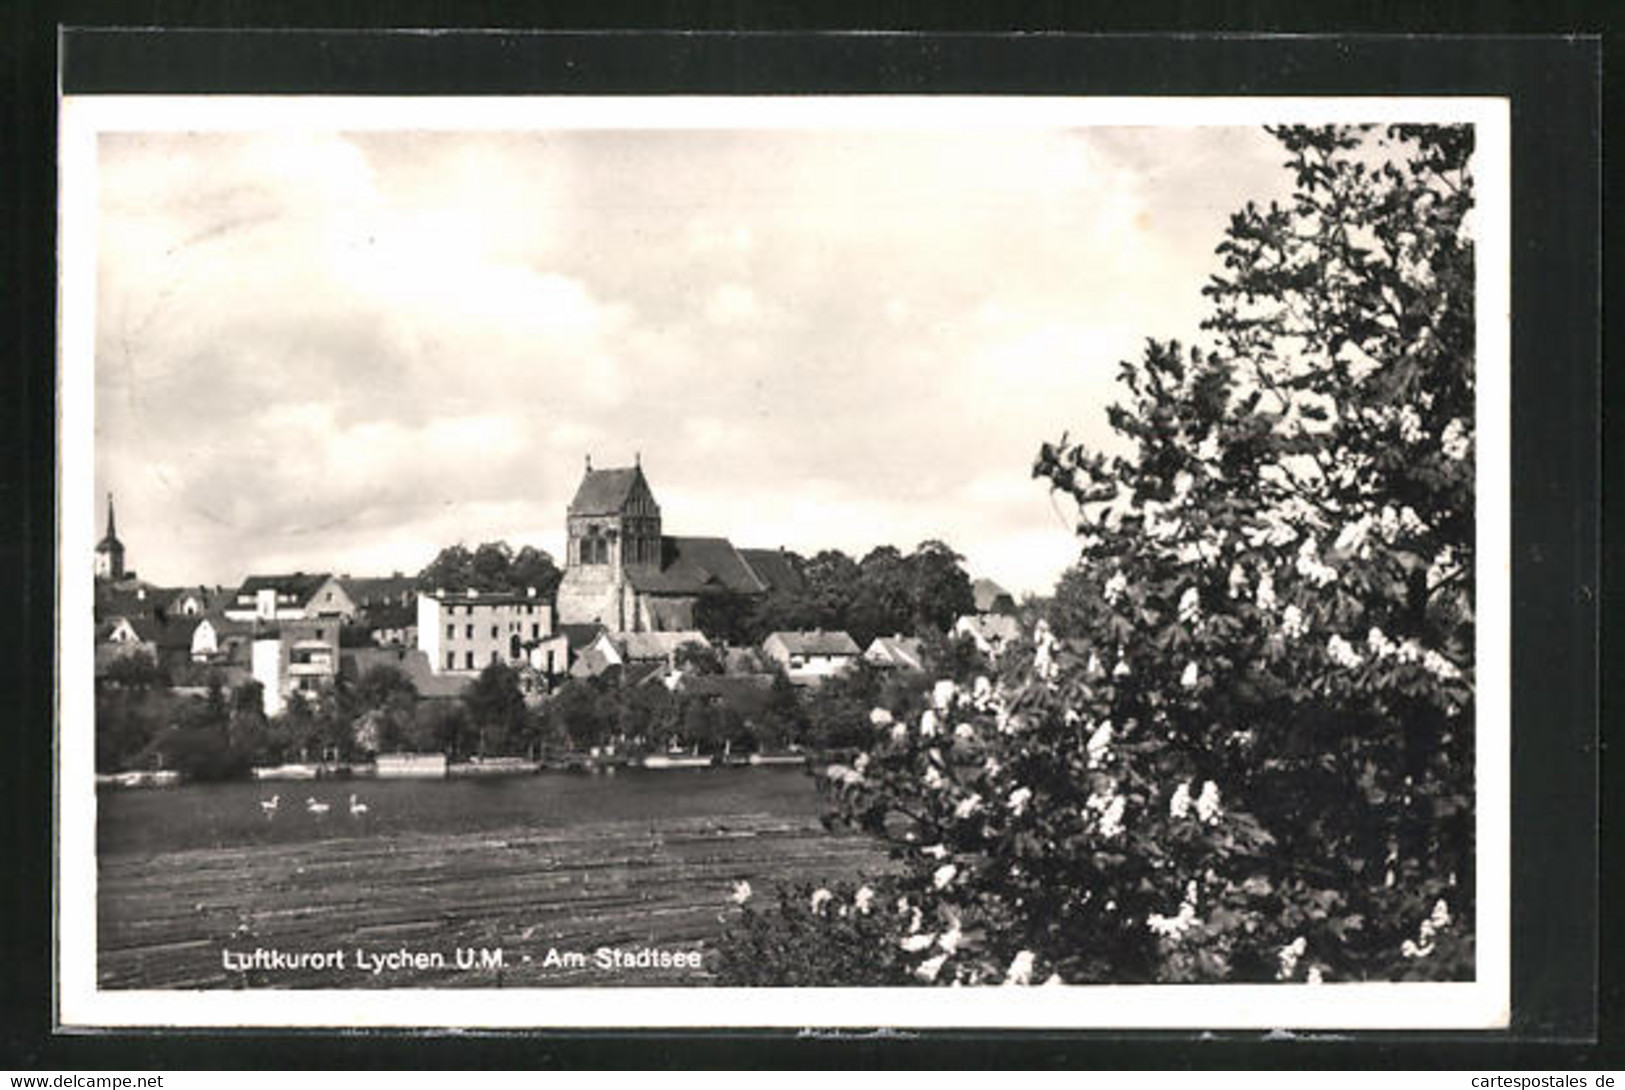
(1099, 745)
(1172, 927)
(1288, 956)
(942, 694)
(1018, 800)
(820, 898)
(1379, 643)
(1021, 969)
(1237, 581)
(1313, 976)
(863, 899)
(1121, 669)
(1108, 808)
(741, 892)
(1115, 586)
(928, 724)
(965, 732)
(1410, 425)
(1455, 442)
(1207, 803)
(948, 941)
(1311, 567)
(1292, 623)
(933, 779)
(1190, 606)
(928, 969)
(1179, 806)
(935, 851)
(1439, 666)
(1208, 449)
(1342, 653)
(1352, 538)
(1094, 669)
(968, 806)
(982, 692)
(1191, 675)
(880, 717)
(913, 944)
(1266, 592)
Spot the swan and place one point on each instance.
(317, 808)
(357, 808)
(268, 806)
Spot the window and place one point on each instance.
(451, 660)
(535, 631)
(468, 659)
(451, 631)
(319, 634)
(493, 656)
(470, 632)
(493, 632)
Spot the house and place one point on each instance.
(895, 653)
(465, 631)
(195, 601)
(386, 606)
(125, 637)
(810, 657)
(295, 659)
(214, 635)
(295, 597)
(991, 632)
(992, 598)
(624, 573)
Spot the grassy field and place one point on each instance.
(547, 893)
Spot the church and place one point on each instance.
(623, 572)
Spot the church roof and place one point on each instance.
(605, 491)
(697, 565)
(774, 568)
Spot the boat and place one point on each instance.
(676, 760)
(494, 766)
(168, 777)
(778, 758)
(293, 770)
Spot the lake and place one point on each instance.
(531, 876)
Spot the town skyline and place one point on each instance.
(345, 351)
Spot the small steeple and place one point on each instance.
(112, 534)
(589, 463)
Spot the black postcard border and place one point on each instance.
(1554, 86)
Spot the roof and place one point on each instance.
(697, 565)
(606, 491)
(897, 650)
(816, 643)
(147, 629)
(671, 614)
(774, 568)
(577, 636)
(990, 626)
(378, 590)
(644, 646)
(990, 597)
(300, 584)
(139, 600)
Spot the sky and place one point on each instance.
(336, 351)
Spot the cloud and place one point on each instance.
(344, 350)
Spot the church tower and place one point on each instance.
(613, 525)
(110, 551)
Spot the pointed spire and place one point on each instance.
(589, 463)
(637, 458)
(111, 533)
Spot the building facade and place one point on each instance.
(463, 632)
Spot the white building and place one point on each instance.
(463, 632)
(290, 598)
(295, 659)
(810, 657)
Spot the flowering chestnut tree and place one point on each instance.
(1251, 755)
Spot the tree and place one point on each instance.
(939, 590)
(493, 565)
(694, 657)
(496, 707)
(1253, 761)
(385, 697)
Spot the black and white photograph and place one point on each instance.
(773, 562)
